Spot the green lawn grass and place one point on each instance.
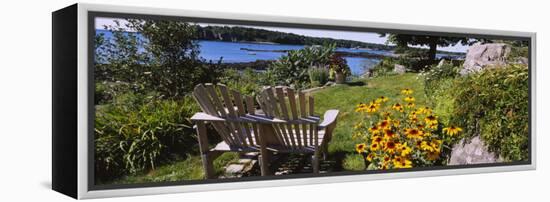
(343, 97)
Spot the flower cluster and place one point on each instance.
(400, 135)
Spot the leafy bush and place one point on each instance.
(136, 132)
(292, 69)
(384, 67)
(318, 76)
(494, 104)
(247, 82)
(438, 74)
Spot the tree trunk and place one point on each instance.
(433, 51)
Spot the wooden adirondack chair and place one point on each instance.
(232, 117)
(295, 127)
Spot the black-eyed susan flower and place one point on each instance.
(360, 148)
(372, 107)
(397, 107)
(384, 124)
(377, 139)
(432, 156)
(431, 119)
(436, 145)
(452, 130)
(371, 156)
(374, 130)
(426, 146)
(403, 149)
(414, 133)
(374, 146)
(409, 99)
(402, 163)
(389, 134)
(407, 91)
(389, 147)
(410, 105)
(382, 99)
(361, 107)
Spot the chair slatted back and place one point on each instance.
(217, 100)
(297, 110)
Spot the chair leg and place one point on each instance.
(315, 163)
(265, 157)
(208, 165)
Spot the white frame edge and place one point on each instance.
(82, 174)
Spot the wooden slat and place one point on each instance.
(232, 113)
(312, 128)
(287, 128)
(203, 99)
(270, 101)
(293, 109)
(241, 111)
(252, 110)
(226, 127)
(302, 100)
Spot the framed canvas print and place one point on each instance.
(151, 101)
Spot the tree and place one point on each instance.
(404, 40)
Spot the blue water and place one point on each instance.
(231, 52)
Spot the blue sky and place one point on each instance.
(356, 36)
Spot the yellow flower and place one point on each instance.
(382, 99)
(409, 99)
(361, 107)
(384, 124)
(452, 130)
(410, 105)
(432, 126)
(407, 91)
(402, 163)
(374, 130)
(374, 146)
(386, 115)
(389, 134)
(360, 148)
(424, 110)
(426, 147)
(390, 147)
(431, 120)
(412, 115)
(396, 123)
(436, 145)
(372, 107)
(397, 107)
(377, 139)
(370, 156)
(403, 149)
(413, 133)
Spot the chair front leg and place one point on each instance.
(206, 156)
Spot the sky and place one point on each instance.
(348, 35)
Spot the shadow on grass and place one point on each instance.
(356, 83)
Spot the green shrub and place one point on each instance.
(136, 132)
(318, 76)
(495, 104)
(292, 69)
(434, 77)
(247, 82)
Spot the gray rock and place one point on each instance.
(480, 56)
(234, 169)
(474, 152)
(441, 63)
(400, 69)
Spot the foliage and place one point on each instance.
(494, 104)
(161, 56)
(339, 65)
(438, 74)
(401, 135)
(246, 82)
(318, 76)
(235, 33)
(292, 69)
(136, 132)
(404, 40)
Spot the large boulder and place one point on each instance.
(481, 56)
(474, 152)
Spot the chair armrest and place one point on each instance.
(329, 118)
(201, 116)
